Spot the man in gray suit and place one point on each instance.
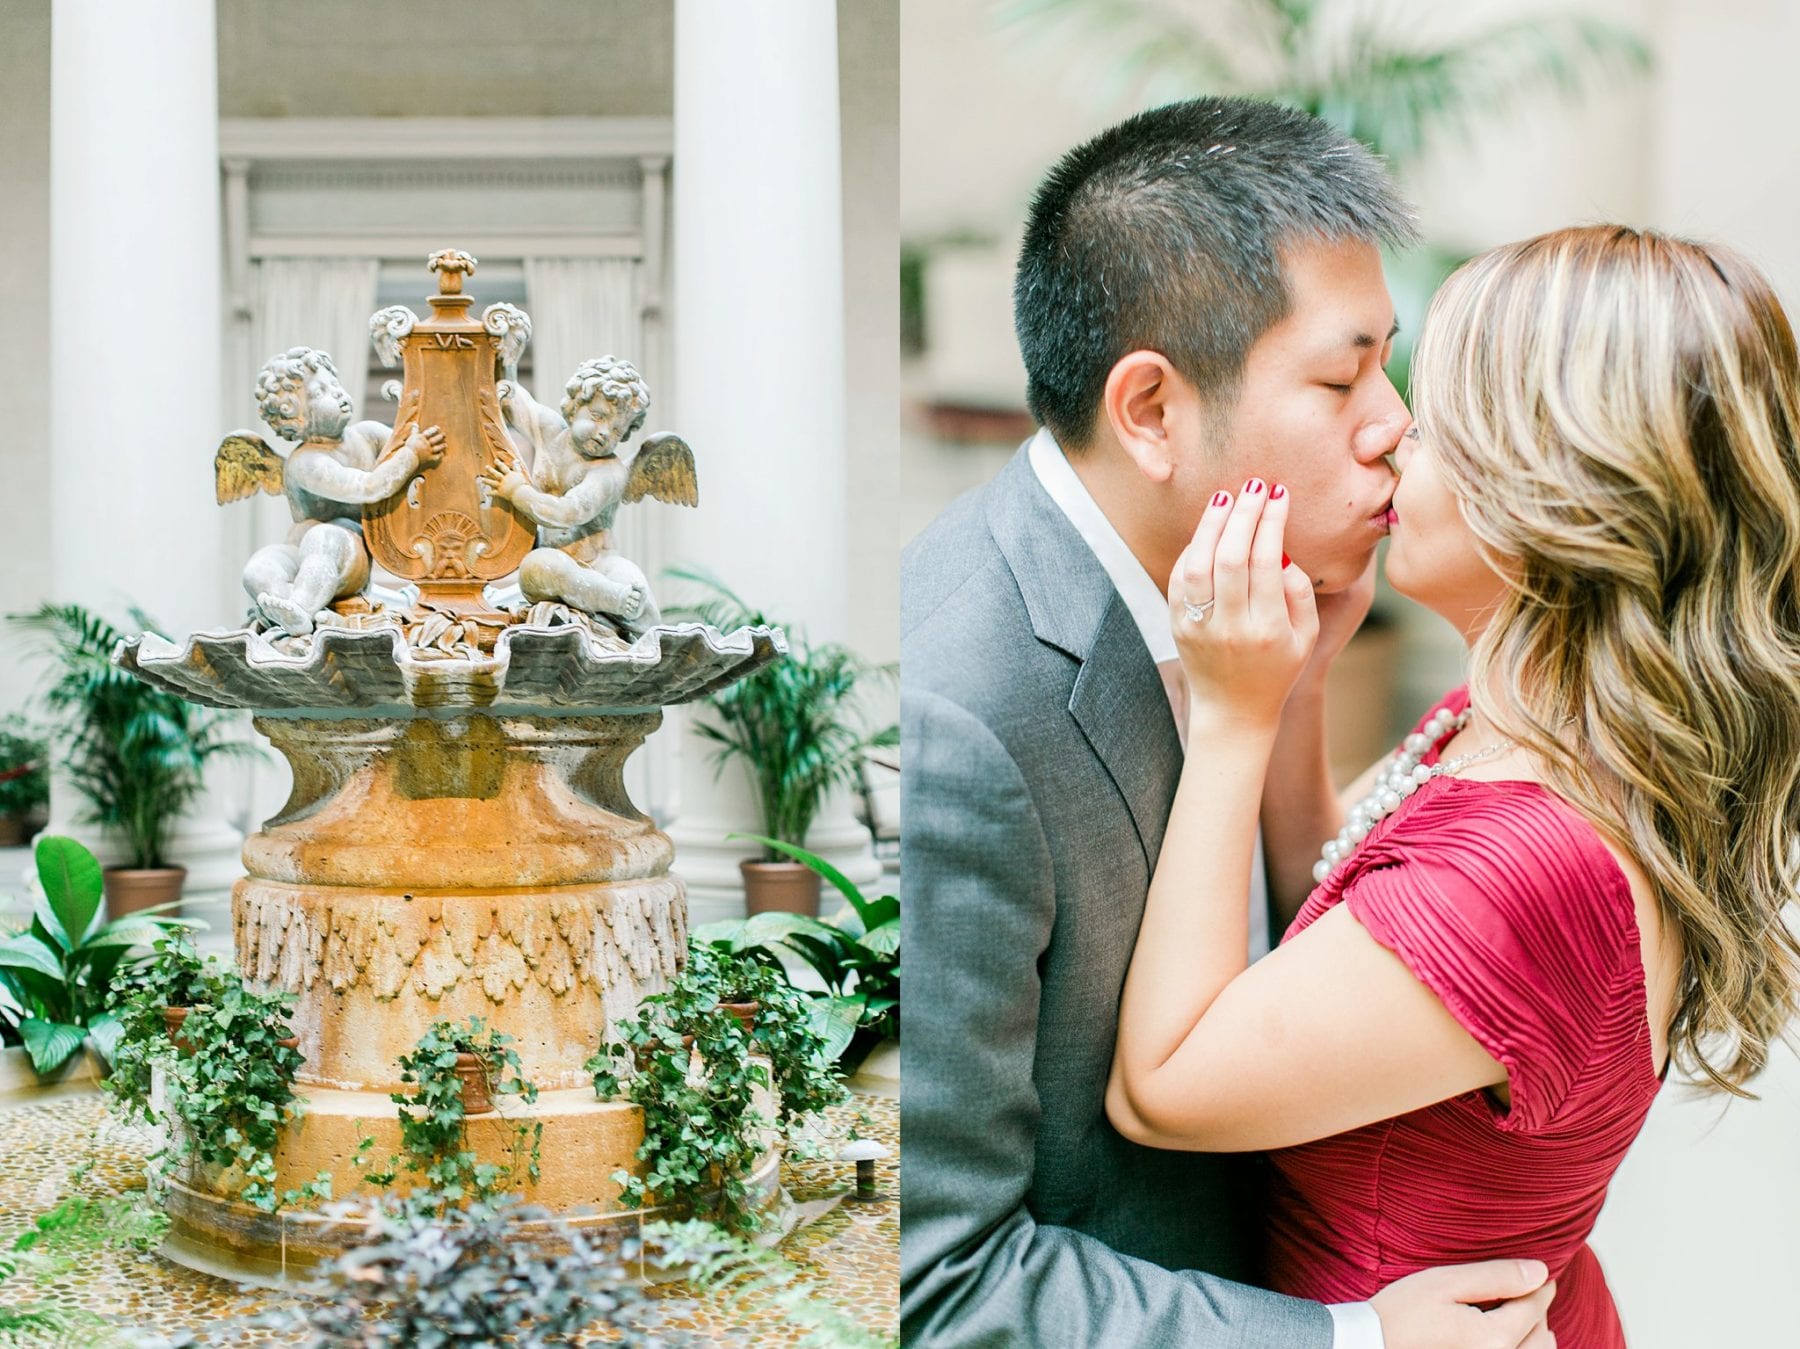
(1199, 300)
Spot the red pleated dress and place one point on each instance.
(1506, 904)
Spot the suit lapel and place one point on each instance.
(1123, 709)
(1118, 702)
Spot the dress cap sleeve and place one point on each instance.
(1510, 909)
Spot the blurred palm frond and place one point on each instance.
(1373, 72)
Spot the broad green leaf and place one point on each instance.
(26, 952)
(157, 911)
(726, 932)
(131, 930)
(102, 968)
(104, 1030)
(827, 957)
(45, 925)
(50, 1043)
(42, 995)
(73, 886)
(881, 911)
(768, 929)
(836, 1019)
(883, 940)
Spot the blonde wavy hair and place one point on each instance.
(1617, 413)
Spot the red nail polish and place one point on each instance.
(1221, 498)
(1254, 486)
(1278, 493)
(1286, 561)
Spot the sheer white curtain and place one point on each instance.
(322, 303)
(581, 308)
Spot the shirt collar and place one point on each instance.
(1149, 610)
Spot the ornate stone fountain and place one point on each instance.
(458, 840)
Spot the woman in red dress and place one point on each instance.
(1574, 869)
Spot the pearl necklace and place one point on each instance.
(1404, 775)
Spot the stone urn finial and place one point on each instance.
(451, 265)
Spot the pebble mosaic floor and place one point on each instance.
(850, 1257)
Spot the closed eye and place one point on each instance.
(1339, 388)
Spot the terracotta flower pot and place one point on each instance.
(472, 1075)
(175, 1017)
(744, 1011)
(129, 889)
(780, 887)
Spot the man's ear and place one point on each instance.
(1147, 405)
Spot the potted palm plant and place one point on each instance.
(137, 753)
(798, 729)
(24, 781)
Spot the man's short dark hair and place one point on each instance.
(1164, 234)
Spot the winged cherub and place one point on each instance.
(576, 483)
(337, 469)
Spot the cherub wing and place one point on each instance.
(664, 468)
(244, 464)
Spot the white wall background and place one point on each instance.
(25, 295)
(1701, 1238)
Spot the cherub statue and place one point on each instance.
(337, 469)
(577, 482)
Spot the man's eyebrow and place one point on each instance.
(1364, 340)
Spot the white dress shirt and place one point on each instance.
(1355, 1325)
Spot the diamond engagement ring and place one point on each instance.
(1196, 613)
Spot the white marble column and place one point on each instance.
(758, 340)
(135, 341)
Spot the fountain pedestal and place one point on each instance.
(428, 870)
(431, 869)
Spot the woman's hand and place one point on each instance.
(1257, 621)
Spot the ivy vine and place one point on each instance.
(694, 1070)
(433, 1137)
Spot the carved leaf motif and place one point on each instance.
(625, 944)
(245, 465)
(500, 966)
(451, 260)
(664, 468)
(493, 432)
(388, 328)
(512, 326)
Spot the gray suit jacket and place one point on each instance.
(1040, 760)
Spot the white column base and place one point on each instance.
(213, 853)
(708, 864)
